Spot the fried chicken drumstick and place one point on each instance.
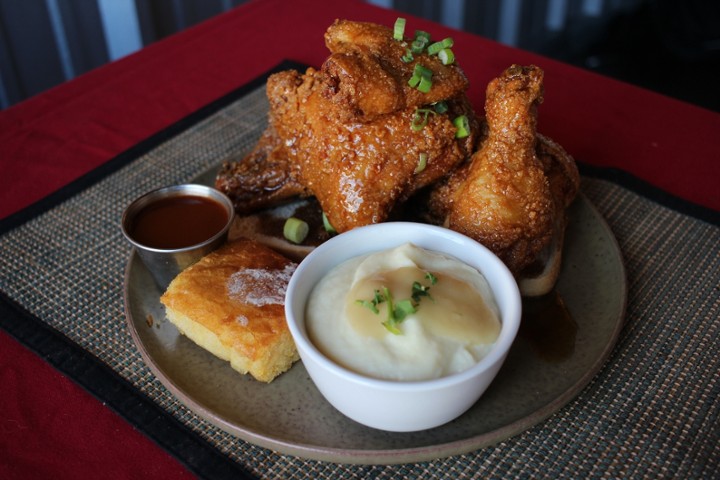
(512, 194)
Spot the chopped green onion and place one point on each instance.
(420, 119)
(421, 34)
(463, 126)
(378, 298)
(446, 56)
(420, 42)
(417, 46)
(326, 224)
(422, 162)
(419, 290)
(391, 322)
(397, 311)
(437, 46)
(425, 84)
(441, 107)
(418, 122)
(371, 305)
(422, 71)
(421, 78)
(414, 80)
(408, 57)
(295, 230)
(399, 29)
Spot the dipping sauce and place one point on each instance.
(178, 222)
(450, 328)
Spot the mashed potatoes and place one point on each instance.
(442, 317)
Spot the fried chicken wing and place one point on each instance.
(511, 195)
(263, 178)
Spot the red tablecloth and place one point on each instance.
(52, 428)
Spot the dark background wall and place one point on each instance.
(671, 46)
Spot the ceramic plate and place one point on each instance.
(564, 341)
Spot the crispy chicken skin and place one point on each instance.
(344, 135)
(364, 77)
(561, 170)
(264, 178)
(359, 171)
(512, 193)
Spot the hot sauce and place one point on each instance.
(178, 222)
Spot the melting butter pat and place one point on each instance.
(451, 328)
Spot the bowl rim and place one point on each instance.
(510, 319)
(134, 207)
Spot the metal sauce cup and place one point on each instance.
(165, 264)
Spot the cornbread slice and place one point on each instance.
(231, 303)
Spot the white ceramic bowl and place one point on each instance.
(398, 405)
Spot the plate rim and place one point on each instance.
(394, 455)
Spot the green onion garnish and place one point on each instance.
(421, 34)
(397, 311)
(420, 42)
(295, 230)
(399, 29)
(408, 57)
(437, 46)
(425, 84)
(422, 162)
(371, 305)
(420, 119)
(417, 47)
(421, 78)
(378, 298)
(463, 126)
(422, 71)
(419, 290)
(440, 107)
(403, 308)
(446, 56)
(392, 322)
(327, 225)
(414, 80)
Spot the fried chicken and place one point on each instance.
(360, 171)
(261, 179)
(365, 76)
(512, 194)
(347, 134)
(344, 133)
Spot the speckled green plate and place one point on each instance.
(553, 358)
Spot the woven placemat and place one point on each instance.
(652, 411)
